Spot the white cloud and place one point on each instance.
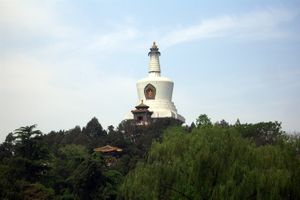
(33, 22)
(258, 25)
(113, 41)
(30, 19)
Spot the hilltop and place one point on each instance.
(160, 161)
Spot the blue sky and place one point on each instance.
(63, 62)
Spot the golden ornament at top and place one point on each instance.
(154, 46)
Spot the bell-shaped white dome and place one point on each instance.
(156, 91)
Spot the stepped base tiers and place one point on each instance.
(161, 104)
(160, 109)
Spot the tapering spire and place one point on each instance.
(154, 66)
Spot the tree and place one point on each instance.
(7, 147)
(94, 128)
(192, 126)
(63, 164)
(262, 133)
(28, 143)
(37, 191)
(30, 153)
(222, 124)
(214, 163)
(25, 133)
(237, 123)
(111, 129)
(67, 159)
(92, 181)
(203, 121)
(26, 162)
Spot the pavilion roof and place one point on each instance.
(107, 149)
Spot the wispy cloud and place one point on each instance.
(255, 25)
(112, 41)
(27, 19)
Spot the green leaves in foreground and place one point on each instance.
(215, 163)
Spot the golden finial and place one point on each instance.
(154, 45)
(154, 50)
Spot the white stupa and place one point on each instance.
(156, 91)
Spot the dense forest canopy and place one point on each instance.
(161, 161)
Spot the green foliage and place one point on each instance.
(24, 134)
(207, 161)
(87, 178)
(214, 163)
(93, 128)
(222, 124)
(92, 181)
(29, 153)
(203, 121)
(262, 133)
(23, 161)
(63, 163)
(37, 191)
(7, 147)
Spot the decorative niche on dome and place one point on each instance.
(150, 91)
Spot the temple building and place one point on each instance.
(154, 94)
(110, 154)
(141, 115)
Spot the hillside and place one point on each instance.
(161, 161)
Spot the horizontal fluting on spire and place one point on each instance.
(154, 66)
